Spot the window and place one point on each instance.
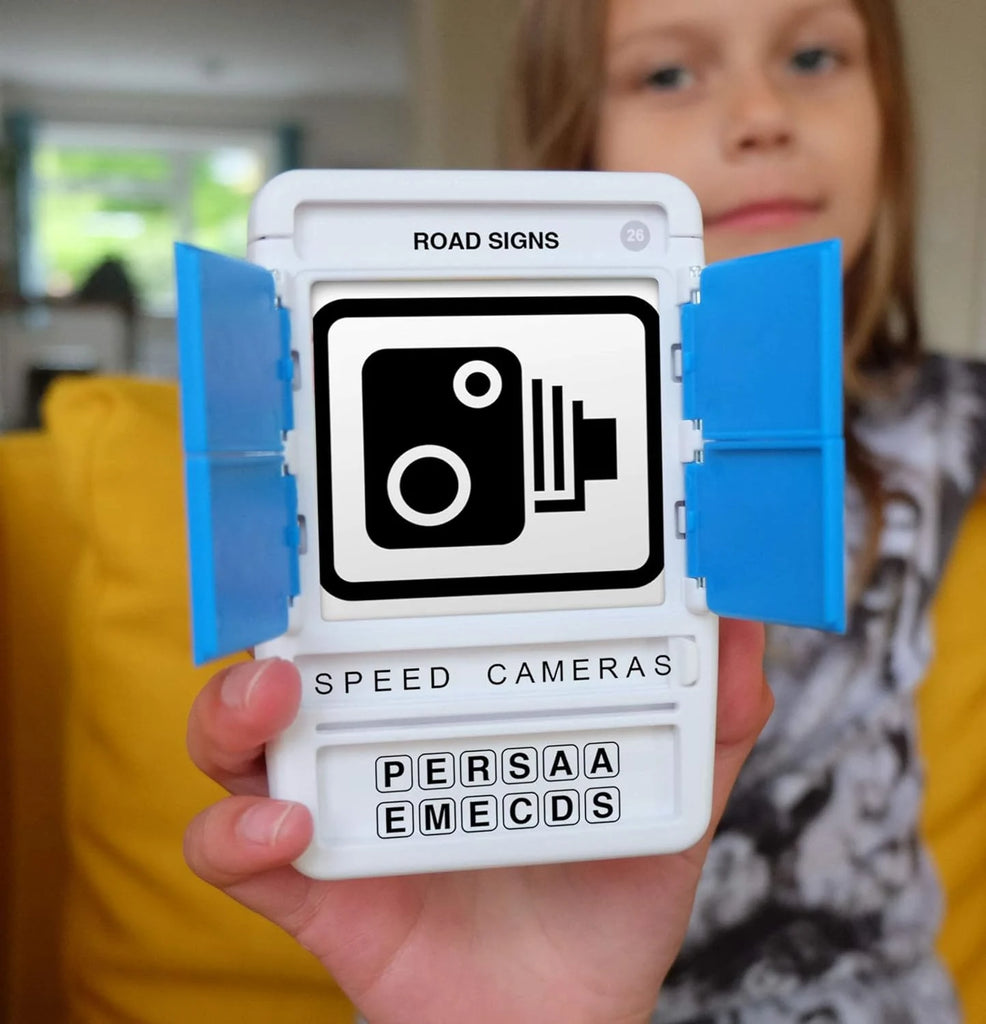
(130, 193)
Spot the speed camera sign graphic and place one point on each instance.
(487, 445)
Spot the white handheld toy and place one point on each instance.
(478, 452)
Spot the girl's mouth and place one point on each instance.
(771, 213)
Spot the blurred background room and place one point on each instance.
(127, 124)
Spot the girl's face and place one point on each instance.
(766, 108)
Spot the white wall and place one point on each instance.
(458, 64)
(947, 43)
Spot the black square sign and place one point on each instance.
(488, 445)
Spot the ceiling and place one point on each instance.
(272, 48)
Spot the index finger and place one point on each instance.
(235, 715)
(744, 700)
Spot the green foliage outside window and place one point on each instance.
(96, 202)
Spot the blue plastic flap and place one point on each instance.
(242, 576)
(235, 363)
(767, 557)
(762, 371)
(762, 353)
(234, 353)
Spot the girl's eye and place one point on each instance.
(670, 78)
(814, 59)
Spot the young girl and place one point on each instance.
(790, 120)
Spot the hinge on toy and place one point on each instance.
(292, 532)
(287, 368)
(690, 441)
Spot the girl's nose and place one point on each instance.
(757, 116)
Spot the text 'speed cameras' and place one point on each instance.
(446, 466)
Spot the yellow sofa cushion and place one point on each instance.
(144, 939)
(38, 550)
(952, 710)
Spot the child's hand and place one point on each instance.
(574, 942)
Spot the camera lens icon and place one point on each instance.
(443, 447)
(444, 452)
(477, 384)
(419, 461)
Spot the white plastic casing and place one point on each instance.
(470, 730)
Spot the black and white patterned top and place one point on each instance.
(818, 902)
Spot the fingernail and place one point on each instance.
(239, 684)
(262, 823)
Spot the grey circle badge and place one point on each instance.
(635, 235)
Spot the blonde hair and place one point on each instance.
(552, 117)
